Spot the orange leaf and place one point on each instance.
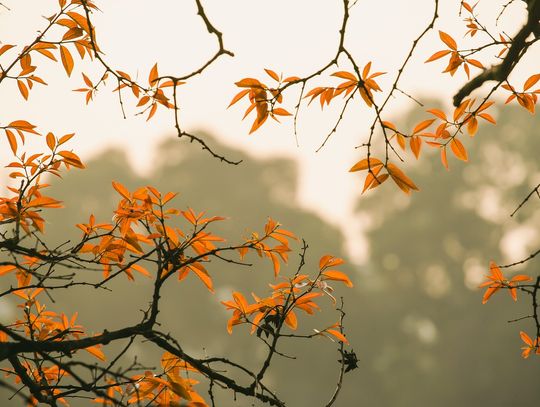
(7, 269)
(67, 59)
(248, 83)
(401, 141)
(337, 276)
(461, 109)
(422, 125)
(472, 126)
(141, 270)
(365, 164)
(47, 53)
(23, 125)
(12, 141)
(338, 335)
(23, 89)
(488, 117)
(152, 77)
(401, 180)
(5, 47)
(329, 261)
(389, 125)
(372, 180)
(87, 81)
(65, 138)
(144, 100)
(346, 75)
(180, 386)
(439, 113)
(437, 55)
(238, 96)
(531, 81)
(291, 79)
(93, 350)
(291, 320)
(281, 112)
(416, 144)
(203, 276)
(45, 202)
(152, 111)
(458, 149)
(240, 300)
(258, 122)
(272, 74)
(365, 71)
(474, 62)
(71, 158)
(72, 33)
(448, 40)
(275, 263)
(122, 190)
(51, 141)
(444, 159)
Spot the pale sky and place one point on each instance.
(294, 37)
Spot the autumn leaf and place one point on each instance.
(23, 89)
(5, 48)
(337, 276)
(67, 59)
(531, 81)
(7, 269)
(458, 149)
(472, 126)
(153, 76)
(338, 335)
(345, 75)
(422, 125)
(448, 40)
(373, 179)
(12, 141)
(122, 190)
(401, 180)
(95, 351)
(416, 144)
(272, 74)
(249, 83)
(51, 141)
(44, 202)
(366, 163)
(71, 159)
(329, 261)
(439, 113)
(444, 158)
(238, 96)
(65, 138)
(291, 320)
(281, 112)
(438, 55)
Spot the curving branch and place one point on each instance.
(518, 48)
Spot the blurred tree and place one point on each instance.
(435, 344)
